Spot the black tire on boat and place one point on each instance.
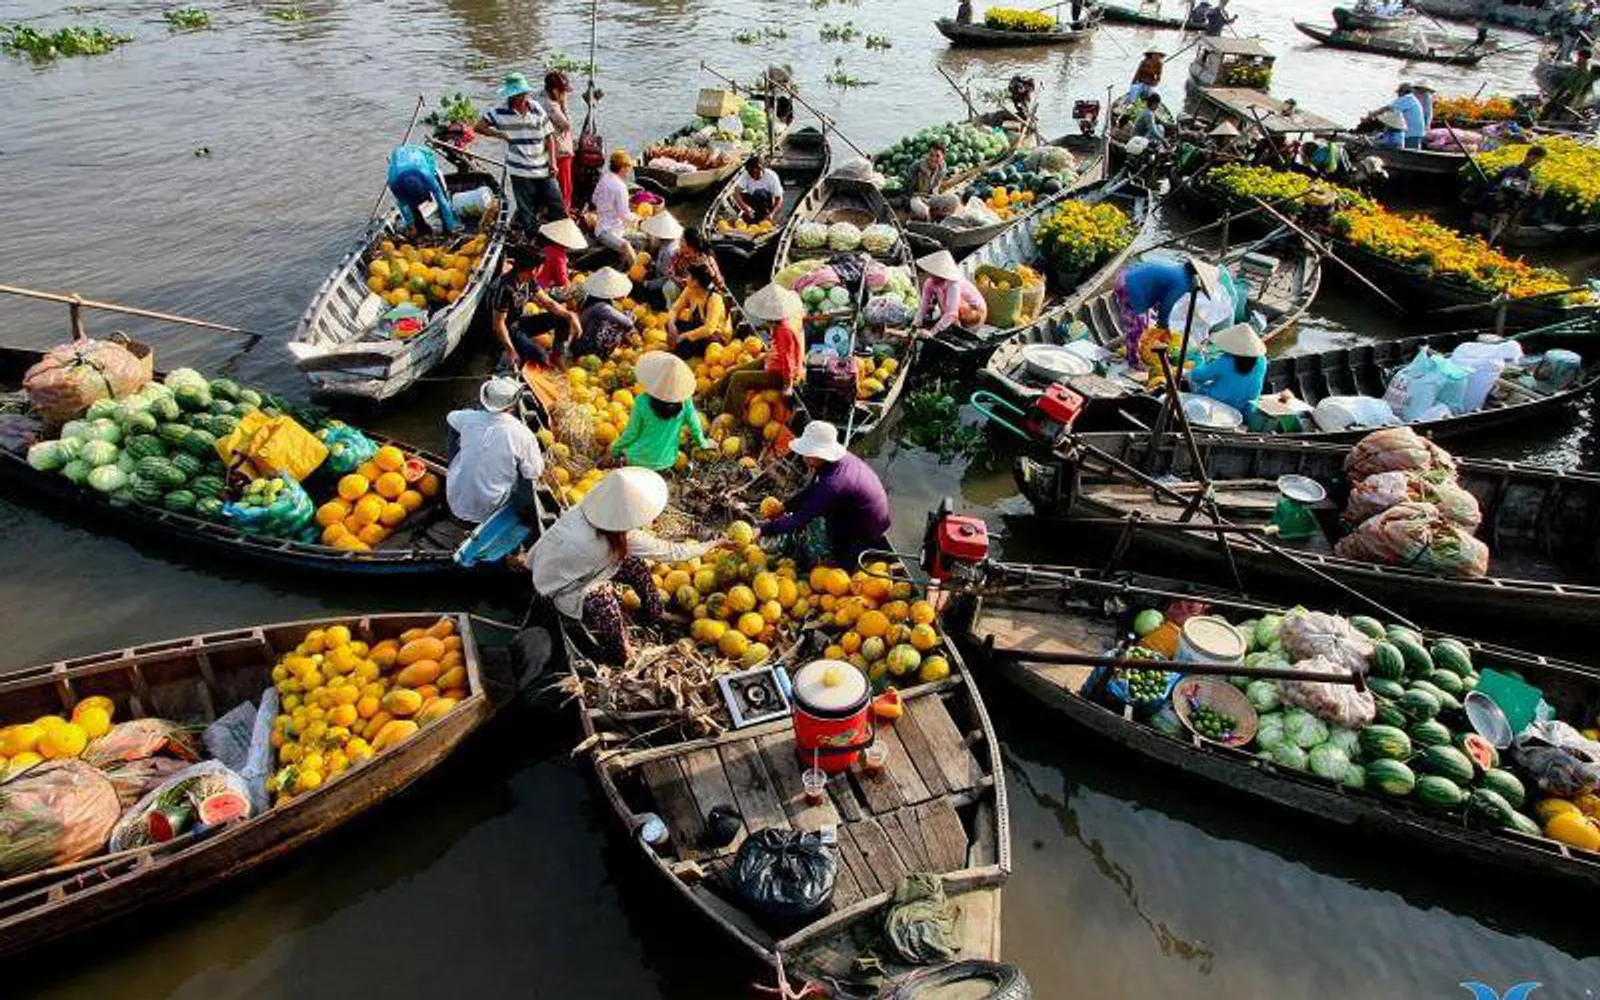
(1005, 982)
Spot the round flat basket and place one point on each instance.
(1208, 413)
(1054, 363)
(1192, 693)
(858, 217)
(1303, 489)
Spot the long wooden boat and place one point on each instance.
(801, 161)
(1356, 19)
(1016, 246)
(1505, 13)
(1526, 236)
(939, 806)
(194, 680)
(336, 343)
(1434, 172)
(675, 186)
(1283, 275)
(1387, 45)
(1009, 633)
(423, 547)
(982, 36)
(928, 237)
(1113, 13)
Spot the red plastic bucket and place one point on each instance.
(831, 714)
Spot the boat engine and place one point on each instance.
(1087, 115)
(954, 545)
(1055, 411)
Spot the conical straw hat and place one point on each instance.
(665, 376)
(625, 500)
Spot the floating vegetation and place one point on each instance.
(19, 39)
(454, 109)
(845, 32)
(292, 14)
(839, 77)
(751, 36)
(880, 42)
(933, 421)
(560, 62)
(188, 19)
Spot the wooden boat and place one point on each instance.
(1536, 521)
(1505, 13)
(928, 237)
(939, 806)
(423, 547)
(1283, 274)
(1356, 19)
(1557, 78)
(1037, 612)
(1436, 173)
(1420, 49)
(1533, 236)
(982, 36)
(801, 161)
(1147, 14)
(336, 343)
(1016, 246)
(194, 680)
(1229, 63)
(675, 186)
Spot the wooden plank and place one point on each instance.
(676, 805)
(906, 836)
(710, 786)
(878, 790)
(901, 770)
(920, 751)
(850, 857)
(846, 890)
(844, 797)
(943, 834)
(784, 766)
(979, 931)
(985, 848)
(948, 750)
(878, 853)
(752, 786)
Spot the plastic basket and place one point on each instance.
(714, 103)
(1004, 304)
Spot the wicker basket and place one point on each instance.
(717, 103)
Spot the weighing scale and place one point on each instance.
(1293, 516)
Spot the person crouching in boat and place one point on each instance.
(785, 354)
(664, 236)
(612, 212)
(1154, 284)
(556, 241)
(602, 326)
(693, 248)
(414, 180)
(1236, 375)
(948, 297)
(661, 415)
(698, 315)
(496, 457)
(517, 332)
(931, 171)
(602, 542)
(1391, 128)
(844, 494)
(758, 192)
(1511, 194)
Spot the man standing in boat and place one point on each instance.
(964, 12)
(530, 152)
(1147, 76)
(1406, 105)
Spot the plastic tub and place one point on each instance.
(1208, 639)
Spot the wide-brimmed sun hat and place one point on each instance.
(565, 233)
(1390, 118)
(665, 376)
(940, 265)
(774, 304)
(662, 226)
(499, 393)
(1207, 274)
(607, 283)
(514, 84)
(819, 440)
(1224, 130)
(625, 500)
(1240, 339)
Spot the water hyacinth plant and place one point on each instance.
(45, 46)
(187, 19)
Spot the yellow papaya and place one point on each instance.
(402, 702)
(377, 722)
(452, 678)
(1574, 829)
(419, 673)
(395, 732)
(384, 653)
(457, 694)
(451, 658)
(436, 708)
(428, 692)
(441, 628)
(424, 648)
(452, 643)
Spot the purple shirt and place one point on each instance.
(849, 496)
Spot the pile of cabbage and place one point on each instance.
(879, 238)
(811, 235)
(891, 292)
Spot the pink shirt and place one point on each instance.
(611, 204)
(950, 297)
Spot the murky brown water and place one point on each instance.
(495, 877)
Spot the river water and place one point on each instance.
(496, 877)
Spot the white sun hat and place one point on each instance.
(940, 265)
(820, 439)
(564, 232)
(499, 393)
(1240, 339)
(625, 500)
(773, 304)
(607, 283)
(665, 376)
(662, 225)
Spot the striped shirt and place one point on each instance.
(526, 154)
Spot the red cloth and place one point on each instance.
(784, 359)
(564, 178)
(553, 272)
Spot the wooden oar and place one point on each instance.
(77, 302)
(1329, 254)
(972, 111)
(1502, 298)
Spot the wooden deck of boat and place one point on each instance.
(1028, 630)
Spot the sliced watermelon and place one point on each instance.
(223, 807)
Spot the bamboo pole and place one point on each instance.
(76, 303)
(416, 113)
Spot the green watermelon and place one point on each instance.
(1388, 713)
(1451, 655)
(1523, 825)
(1403, 632)
(1378, 742)
(224, 388)
(1355, 777)
(249, 396)
(1418, 704)
(1447, 681)
(1508, 785)
(187, 463)
(1390, 777)
(173, 433)
(1435, 792)
(1384, 687)
(209, 508)
(146, 490)
(1429, 733)
(145, 446)
(1387, 661)
(1479, 750)
(1369, 627)
(162, 471)
(207, 486)
(1418, 662)
(1490, 806)
(139, 422)
(181, 501)
(223, 426)
(200, 443)
(192, 397)
(1447, 762)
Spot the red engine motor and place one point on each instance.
(953, 541)
(1087, 115)
(1056, 410)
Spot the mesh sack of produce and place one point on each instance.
(921, 924)
(1561, 760)
(55, 814)
(886, 311)
(1340, 704)
(347, 447)
(135, 778)
(1397, 448)
(1306, 634)
(1377, 493)
(784, 874)
(1417, 535)
(71, 376)
(181, 795)
(137, 739)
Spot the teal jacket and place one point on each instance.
(651, 442)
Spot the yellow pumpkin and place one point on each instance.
(1574, 829)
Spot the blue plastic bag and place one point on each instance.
(347, 447)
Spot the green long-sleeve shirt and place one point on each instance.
(651, 442)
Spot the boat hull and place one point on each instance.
(979, 36)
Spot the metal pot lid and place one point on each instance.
(1302, 488)
(1054, 362)
(1206, 412)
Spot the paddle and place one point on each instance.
(76, 303)
(1318, 246)
(416, 113)
(1502, 297)
(972, 112)
(788, 88)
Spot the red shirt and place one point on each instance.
(785, 359)
(553, 272)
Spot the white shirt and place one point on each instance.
(611, 204)
(572, 558)
(496, 450)
(768, 182)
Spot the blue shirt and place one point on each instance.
(1158, 283)
(1410, 109)
(1220, 379)
(414, 177)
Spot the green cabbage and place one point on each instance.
(78, 429)
(1304, 729)
(76, 471)
(104, 429)
(1287, 754)
(46, 456)
(1347, 740)
(108, 479)
(1355, 776)
(1247, 629)
(1328, 761)
(1269, 731)
(1267, 630)
(1263, 694)
(70, 448)
(98, 453)
(186, 377)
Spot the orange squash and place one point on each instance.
(419, 673)
(424, 648)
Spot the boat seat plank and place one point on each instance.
(844, 797)
(878, 790)
(878, 853)
(901, 769)
(850, 857)
(676, 803)
(919, 749)
(752, 786)
(978, 929)
(778, 752)
(711, 788)
(1240, 500)
(942, 832)
(948, 750)
(846, 890)
(906, 836)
